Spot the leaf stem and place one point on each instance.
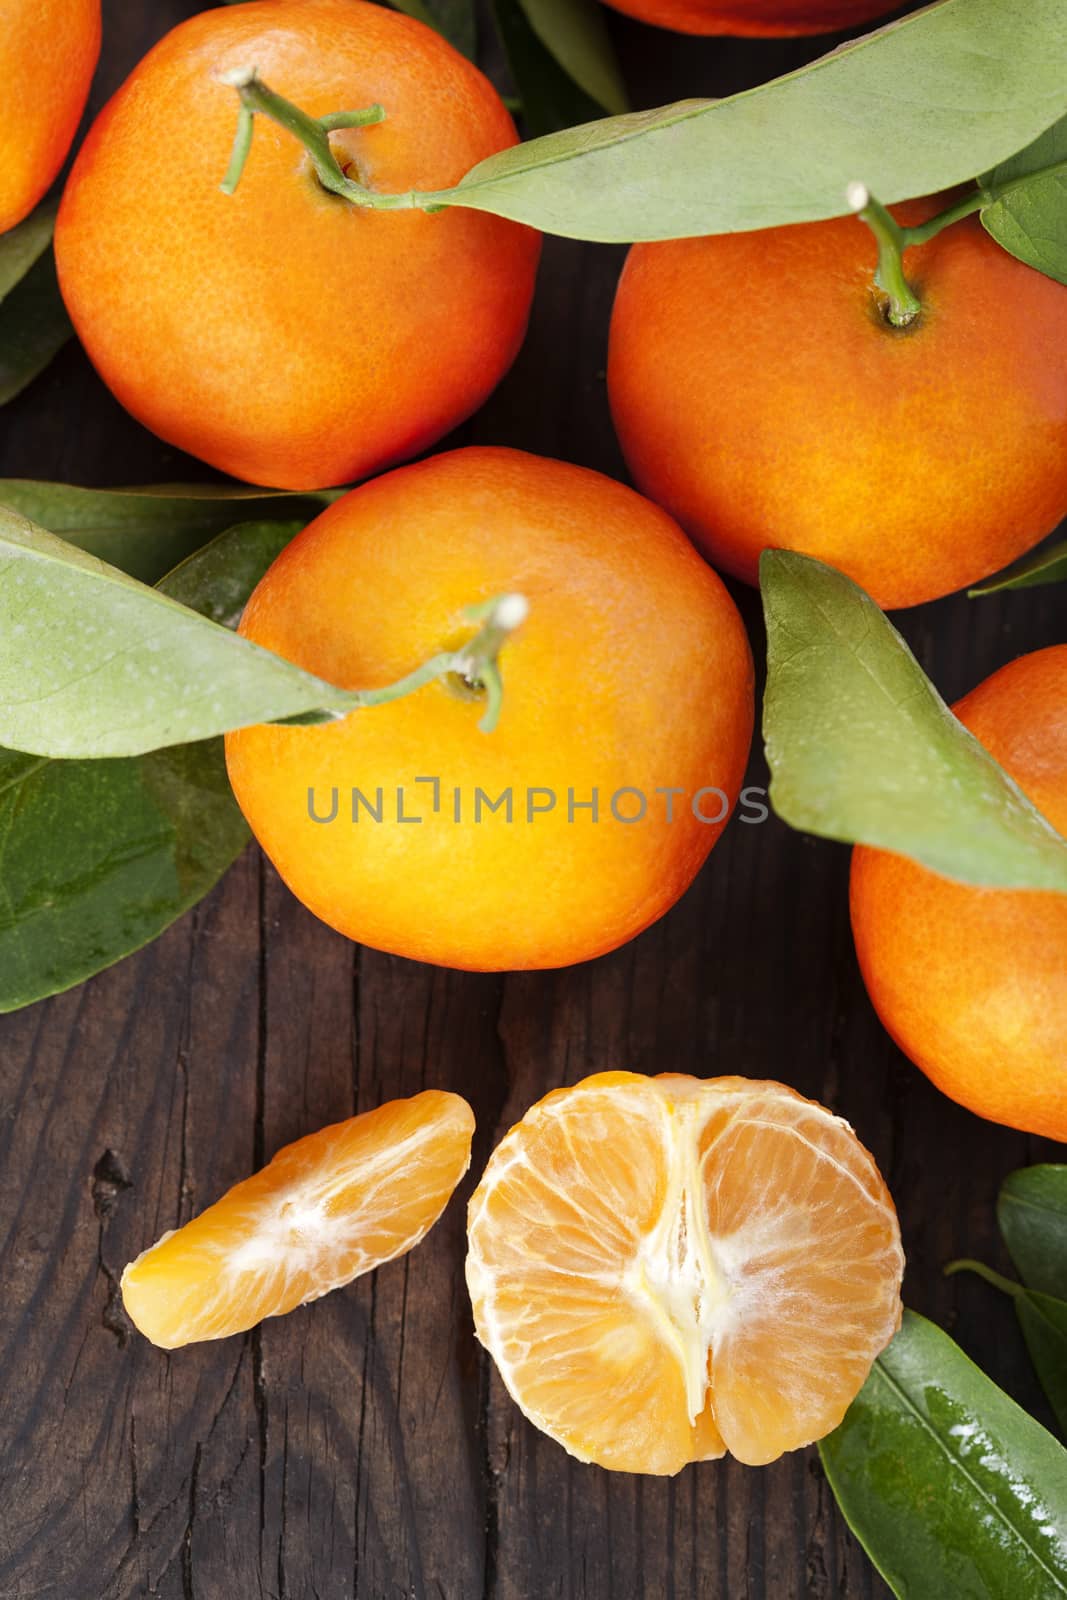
(965, 207)
(997, 1279)
(891, 238)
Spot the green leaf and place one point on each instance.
(455, 19)
(22, 246)
(98, 857)
(33, 321)
(862, 747)
(148, 531)
(952, 1489)
(575, 33)
(550, 98)
(1032, 1213)
(1030, 218)
(1048, 566)
(1043, 1320)
(93, 663)
(925, 103)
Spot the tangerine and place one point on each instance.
(627, 715)
(281, 333)
(972, 982)
(764, 18)
(48, 54)
(761, 395)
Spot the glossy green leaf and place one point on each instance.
(1048, 566)
(93, 663)
(455, 19)
(862, 748)
(1030, 216)
(575, 33)
(34, 324)
(147, 531)
(98, 857)
(1043, 1320)
(952, 1489)
(1032, 1213)
(550, 98)
(927, 102)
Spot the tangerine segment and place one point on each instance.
(325, 1210)
(667, 1268)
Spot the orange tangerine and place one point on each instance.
(664, 1269)
(620, 750)
(281, 333)
(758, 18)
(325, 1210)
(972, 982)
(762, 398)
(48, 54)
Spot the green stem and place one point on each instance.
(242, 144)
(312, 132)
(893, 239)
(475, 662)
(977, 200)
(997, 1279)
(904, 305)
(923, 231)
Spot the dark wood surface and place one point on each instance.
(362, 1446)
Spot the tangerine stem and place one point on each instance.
(892, 241)
(312, 132)
(476, 661)
(997, 1279)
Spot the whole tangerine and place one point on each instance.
(620, 749)
(762, 397)
(48, 54)
(282, 333)
(972, 982)
(760, 18)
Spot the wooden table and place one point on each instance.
(362, 1446)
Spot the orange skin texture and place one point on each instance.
(760, 18)
(48, 54)
(970, 982)
(633, 668)
(283, 334)
(761, 397)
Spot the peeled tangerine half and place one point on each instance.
(326, 1209)
(664, 1269)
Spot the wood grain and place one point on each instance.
(362, 1447)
